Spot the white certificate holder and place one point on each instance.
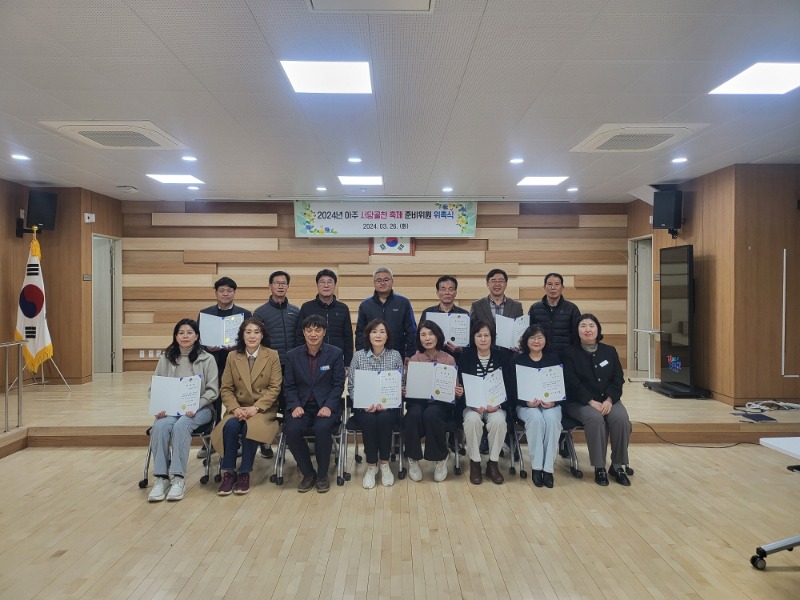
(432, 381)
(219, 332)
(481, 392)
(455, 326)
(509, 331)
(545, 384)
(377, 387)
(175, 395)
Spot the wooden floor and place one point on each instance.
(75, 524)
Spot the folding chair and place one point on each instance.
(566, 445)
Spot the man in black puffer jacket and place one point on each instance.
(338, 322)
(558, 317)
(394, 309)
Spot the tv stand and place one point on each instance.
(677, 390)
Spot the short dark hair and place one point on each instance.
(549, 275)
(224, 281)
(591, 317)
(435, 330)
(278, 274)
(529, 333)
(314, 321)
(477, 326)
(494, 272)
(373, 325)
(444, 278)
(173, 351)
(325, 273)
(240, 345)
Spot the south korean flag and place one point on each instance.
(32, 314)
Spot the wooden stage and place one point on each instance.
(76, 525)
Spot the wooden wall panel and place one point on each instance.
(168, 276)
(213, 220)
(13, 258)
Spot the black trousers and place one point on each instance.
(428, 420)
(322, 428)
(376, 431)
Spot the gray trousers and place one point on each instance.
(172, 436)
(473, 431)
(615, 426)
(542, 429)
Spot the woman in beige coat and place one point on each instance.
(250, 386)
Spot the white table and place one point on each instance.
(791, 447)
(651, 357)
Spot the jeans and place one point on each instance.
(172, 437)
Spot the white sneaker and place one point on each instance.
(414, 472)
(159, 491)
(369, 477)
(387, 478)
(440, 470)
(176, 490)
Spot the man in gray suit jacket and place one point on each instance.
(496, 303)
(313, 382)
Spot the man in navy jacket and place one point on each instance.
(394, 309)
(313, 382)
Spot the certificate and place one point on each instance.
(219, 332)
(175, 395)
(434, 381)
(455, 326)
(484, 391)
(377, 387)
(510, 330)
(541, 384)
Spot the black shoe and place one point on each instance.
(266, 451)
(601, 477)
(484, 447)
(548, 479)
(621, 477)
(308, 482)
(536, 477)
(323, 485)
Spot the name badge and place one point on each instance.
(325, 368)
(604, 363)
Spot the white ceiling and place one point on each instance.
(457, 93)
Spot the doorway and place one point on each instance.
(640, 315)
(106, 305)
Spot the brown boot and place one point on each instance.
(475, 476)
(493, 472)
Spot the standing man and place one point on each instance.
(394, 309)
(496, 303)
(225, 290)
(314, 383)
(338, 324)
(557, 316)
(446, 290)
(280, 318)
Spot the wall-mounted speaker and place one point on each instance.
(667, 210)
(41, 209)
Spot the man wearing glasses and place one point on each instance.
(496, 303)
(280, 318)
(392, 308)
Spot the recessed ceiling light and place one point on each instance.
(680, 159)
(322, 189)
(447, 189)
(517, 161)
(20, 157)
(192, 187)
(328, 77)
(572, 189)
(763, 78)
(542, 180)
(174, 178)
(189, 158)
(355, 180)
(354, 159)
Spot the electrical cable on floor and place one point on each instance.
(687, 444)
(766, 405)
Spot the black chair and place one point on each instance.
(204, 433)
(566, 444)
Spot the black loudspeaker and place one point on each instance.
(41, 209)
(667, 210)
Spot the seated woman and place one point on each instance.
(482, 358)
(376, 423)
(425, 417)
(171, 436)
(593, 377)
(250, 385)
(542, 419)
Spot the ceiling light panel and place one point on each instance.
(164, 178)
(358, 180)
(328, 77)
(763, 78)
(542, 180)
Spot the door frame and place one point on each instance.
(633, 298)
(116, 303)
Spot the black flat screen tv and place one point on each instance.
(677, 316)
(41, 210)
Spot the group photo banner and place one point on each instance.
(408, 218)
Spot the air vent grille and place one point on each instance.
(636, 137)
(635, 141)
(126, 135)
(120, 139)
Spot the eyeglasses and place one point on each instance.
(384, 280)
(279, 284)
(496, 281)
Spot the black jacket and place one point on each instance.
(594, 376)
(560, 322)
(339, 331)
(397, 312)
(281, 322)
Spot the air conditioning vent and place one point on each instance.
(621, 137)
(137, 135)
